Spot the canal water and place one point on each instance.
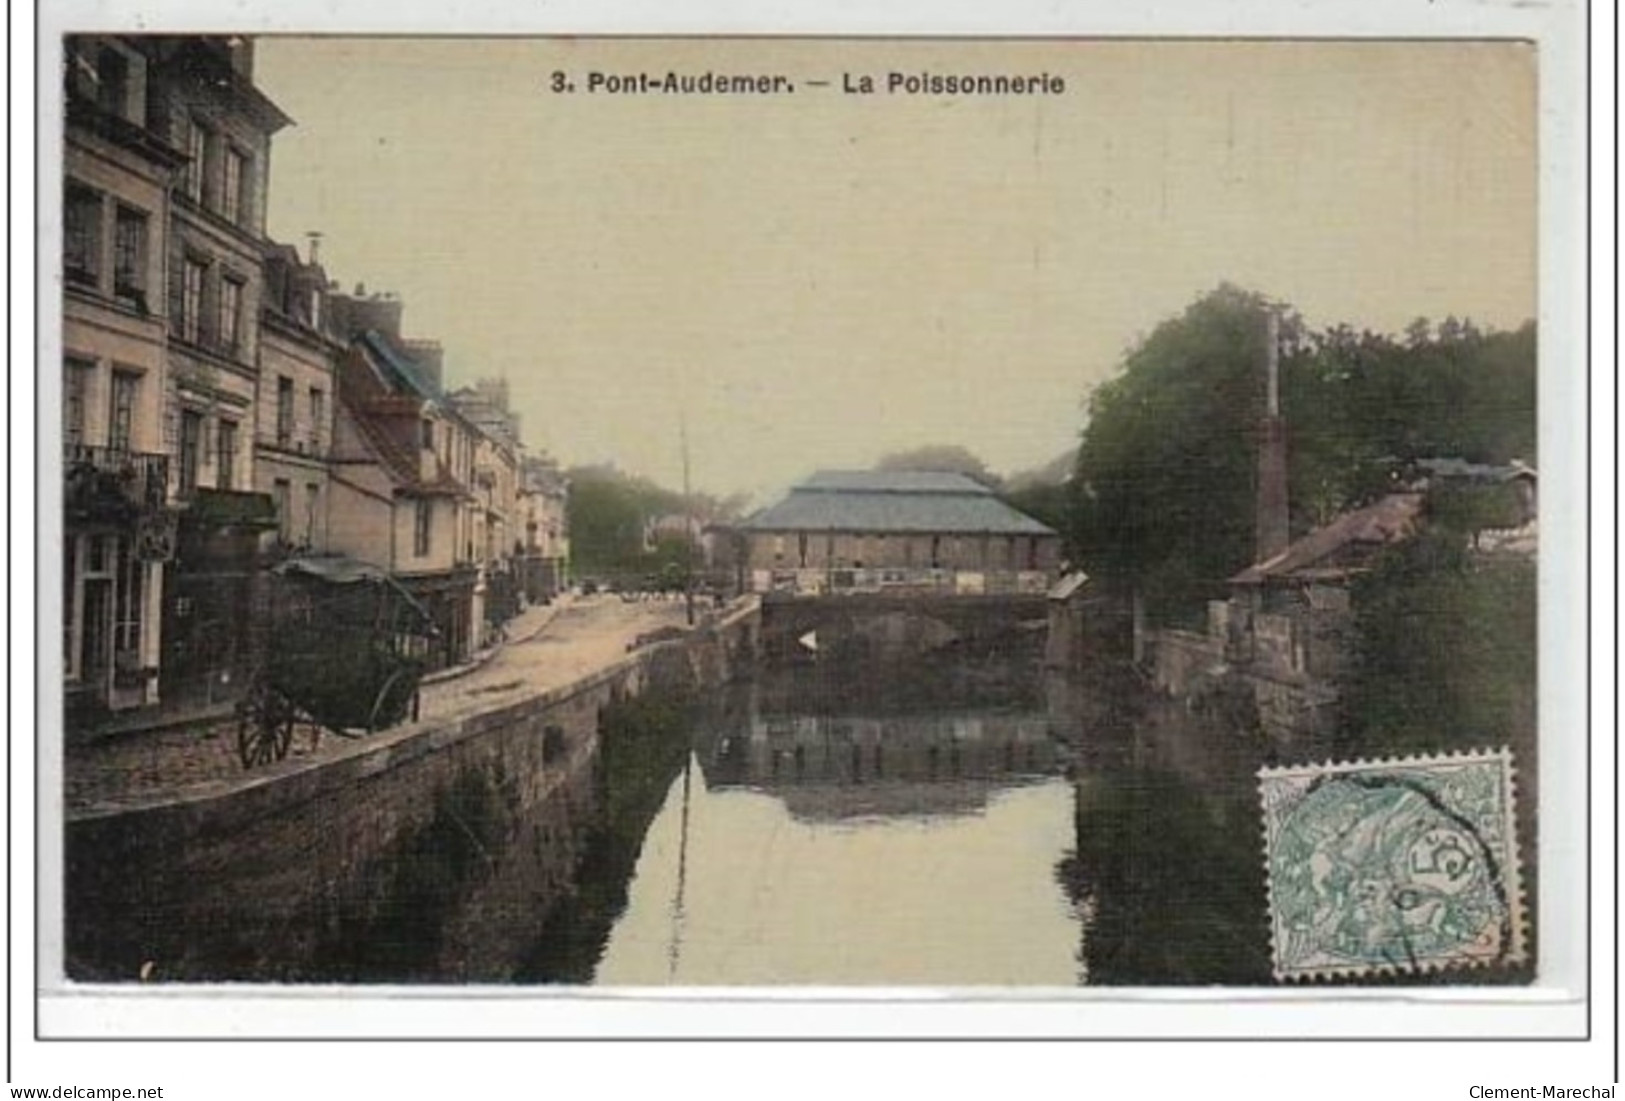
(936, 825)
(934, 822)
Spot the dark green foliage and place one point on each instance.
(1167, 461)
(607, 513)
(1355, 402)
(1447, 654)
(1178, 901)
(1167, 470)
(1471, 508)
(1048, 503)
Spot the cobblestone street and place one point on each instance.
(547, 647)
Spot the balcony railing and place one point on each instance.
(103, 481)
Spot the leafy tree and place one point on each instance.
(1447, 654)
(609, 513)
(1165, 486)
(1166, 468)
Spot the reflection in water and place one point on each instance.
(843, 848)
(767, 898)
(949, 826)
(1172, 880)
(990, 830)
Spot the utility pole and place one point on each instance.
(688, 522)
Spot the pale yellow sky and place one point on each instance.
(820, 278)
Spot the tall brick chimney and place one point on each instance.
(1271, 534)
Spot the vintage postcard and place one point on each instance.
(1021, 517)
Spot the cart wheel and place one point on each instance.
(264, 728)
(382, 704)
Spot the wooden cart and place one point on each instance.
(341, 647)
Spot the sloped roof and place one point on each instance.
(1461, 469)
(377, 411)
(1067, 587)
(400, 463)
(1394, 518)
(893, 501)
(894, 481)
(399, 369)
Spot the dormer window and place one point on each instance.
(113, 81)
(233, 191)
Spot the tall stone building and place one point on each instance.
(402, 472)
(544, 497)
(497, 455)
(293, 431)
(203, 100)
(118, 164)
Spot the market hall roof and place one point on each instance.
(893, 501)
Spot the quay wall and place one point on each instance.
(1180, 658)
(428, 853)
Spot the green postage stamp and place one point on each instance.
(1398, 865)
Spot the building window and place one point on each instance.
(70, 617)
(197, 144)
(282, 494)
(127, 623)
(318, 417)
(81, 235)
(121, 410)
(227, 441)
(428, 434)
(421, 528)
(113, 82)
(229, 324)
(313, 498)
(232, 194)
(75, 391)
(130, 254)
(284, 411)
(191, 449)
(189, 308)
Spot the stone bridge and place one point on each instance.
(862, 626)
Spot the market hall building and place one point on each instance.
(893, 531)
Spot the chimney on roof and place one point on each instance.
(1271, 533)
(240, 49)
(431, 357)
(314, 236)
(352, 315)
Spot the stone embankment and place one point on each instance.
(364, 862)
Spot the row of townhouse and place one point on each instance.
(224, 406)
